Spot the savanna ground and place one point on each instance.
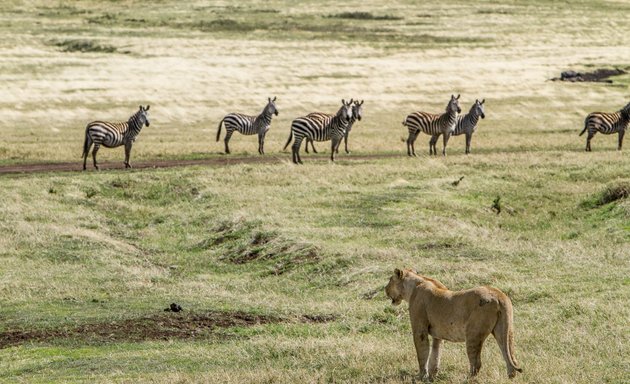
(280, 269)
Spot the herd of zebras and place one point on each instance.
(319, 126)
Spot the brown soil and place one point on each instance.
(599, 75)
(164, 326)
(217, 161)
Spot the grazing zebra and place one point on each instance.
(357, 113)
(607, 123)
(432, 124)
(319, 128)
(113, 135)
(466, 124)
(249, 125)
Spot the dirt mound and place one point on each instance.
(164, 326)
(154, 327)
(241, 242)
(599, 75)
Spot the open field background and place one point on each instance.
(281, 269)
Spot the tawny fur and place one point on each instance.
(460, 316)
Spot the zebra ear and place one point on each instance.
(458, 95)
(350, 102)
(483, 101)
(142, 109)
(361, 102)
(147, 108)
(274, 98)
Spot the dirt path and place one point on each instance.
(216, 161)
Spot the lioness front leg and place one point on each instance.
(421, 341)
(434, 360)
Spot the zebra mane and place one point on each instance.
(135, 120)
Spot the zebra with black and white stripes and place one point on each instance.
(249, 125)
(357, 113)
(607, 123)
(113, 135)
(320, 128)
(432, 124)
(466, 124)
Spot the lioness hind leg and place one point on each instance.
(473, 349)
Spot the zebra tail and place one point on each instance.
(288, 141)
(584, 130)
(219, 131)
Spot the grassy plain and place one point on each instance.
(307, 250)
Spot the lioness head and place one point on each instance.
(394, 288)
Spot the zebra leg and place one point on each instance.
(468, 139)
(226, 140)
(432, 144)
(588, 140)
(96, 147)
(261, 143)
(345, 142)
(334, 144)
(87, 151)
(127, 154)
(413, 143)
(445, 141)
(312, 146)
(621, 133)
(296, 150)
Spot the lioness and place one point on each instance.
(469, 315)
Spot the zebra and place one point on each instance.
(357, 113)
(249, 125)
(432, 124)
(466, 124)
(320, 128)
(113, 135)
(607, 123)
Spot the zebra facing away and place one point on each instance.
(320, 128)
(432, 124)
(249, 125)
(357, 113)
(607, 123)
(113, 135)
(466, 124)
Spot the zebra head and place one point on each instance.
(142, 116)
(477, 109)
(453, 105)
(345, 112)
(271, 109)
(357, 110)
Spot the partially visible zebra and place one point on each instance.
(432, 124)
(113, 135)
(607, 123)
(320, 128)
(357, 113)
(249, 125)
(466, 124)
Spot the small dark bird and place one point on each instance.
(456, 182)
(174, 307)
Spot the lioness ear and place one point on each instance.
(398, 273)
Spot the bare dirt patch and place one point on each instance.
(600, 75)
(166, 326)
